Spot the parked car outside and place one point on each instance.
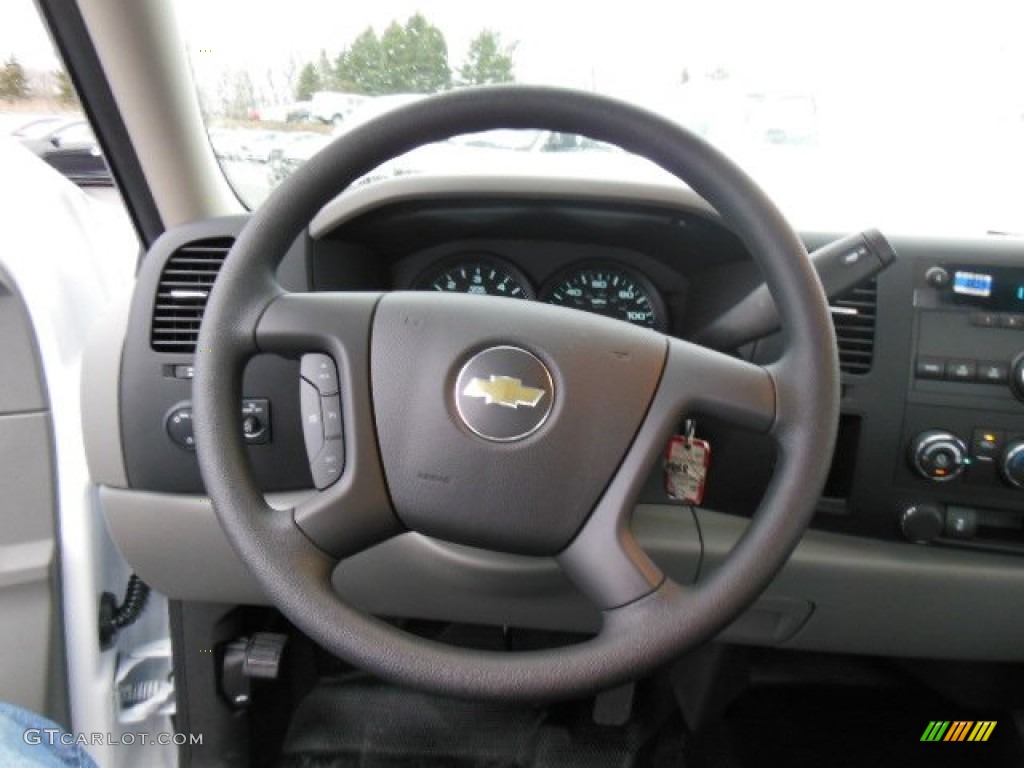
(291, 112)
(69, 145)
(334, 107)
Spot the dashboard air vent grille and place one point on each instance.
(854, 314)
(182, 293)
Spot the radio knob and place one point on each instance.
(1011, 464)
(922, 523)
(937, 277)
(1017, 376)
(938, 455)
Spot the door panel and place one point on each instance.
(32, 668)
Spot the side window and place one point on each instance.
(41, 116)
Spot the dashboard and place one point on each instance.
(929, 461)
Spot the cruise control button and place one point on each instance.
(993, 373)
(330, 407)
(326, 467)
(312, 420)
(961, 370)
(930, 368)
(319, 370)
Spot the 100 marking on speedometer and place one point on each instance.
(611, 291)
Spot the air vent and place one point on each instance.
(853, 314)
(182, 293)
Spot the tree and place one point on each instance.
(487, 61)
(13, 83)
(237, 95)
(325, 71)
(360, 68)
(282, 80)
(65, 90)
(405, 59)
(416, 56)
(309, 83)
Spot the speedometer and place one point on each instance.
(610, 290)
(485, 276)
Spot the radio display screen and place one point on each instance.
(972, 284)
(996, 288)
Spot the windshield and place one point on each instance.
(904, 116)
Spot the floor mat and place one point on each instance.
(362, 723)
(366, 724)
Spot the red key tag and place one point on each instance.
(686, 468)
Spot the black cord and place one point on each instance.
(135, 597)
(114, 617)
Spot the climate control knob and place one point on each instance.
(922, 523)
(1011, 463)
(938, 455)
(1017, 376)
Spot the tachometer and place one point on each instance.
(610, 290)
(481, 275)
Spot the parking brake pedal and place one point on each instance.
(257, 657)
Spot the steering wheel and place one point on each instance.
(510, 426)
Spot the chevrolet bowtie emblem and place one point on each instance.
(503, 390)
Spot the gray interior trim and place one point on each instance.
(25, 562)
(27, 481)
(176, 545)
(143, 58)
(360, 200)
(29, 585)
(101, 397)
(837, 593)
(892, 598)
(26, 646)
(22, 389)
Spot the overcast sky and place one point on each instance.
(897, 83)
(641, 45)
(582, 44)
(22, 35)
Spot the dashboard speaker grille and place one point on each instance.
(181, 295)
(854, 314)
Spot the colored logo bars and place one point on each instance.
(958, 730)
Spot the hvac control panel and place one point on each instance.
(963, 430)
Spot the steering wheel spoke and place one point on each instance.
(293, 324)
(702, 381)
(353, 512)
(604, 559)
(350, 516)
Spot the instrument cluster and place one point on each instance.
(602, 287)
